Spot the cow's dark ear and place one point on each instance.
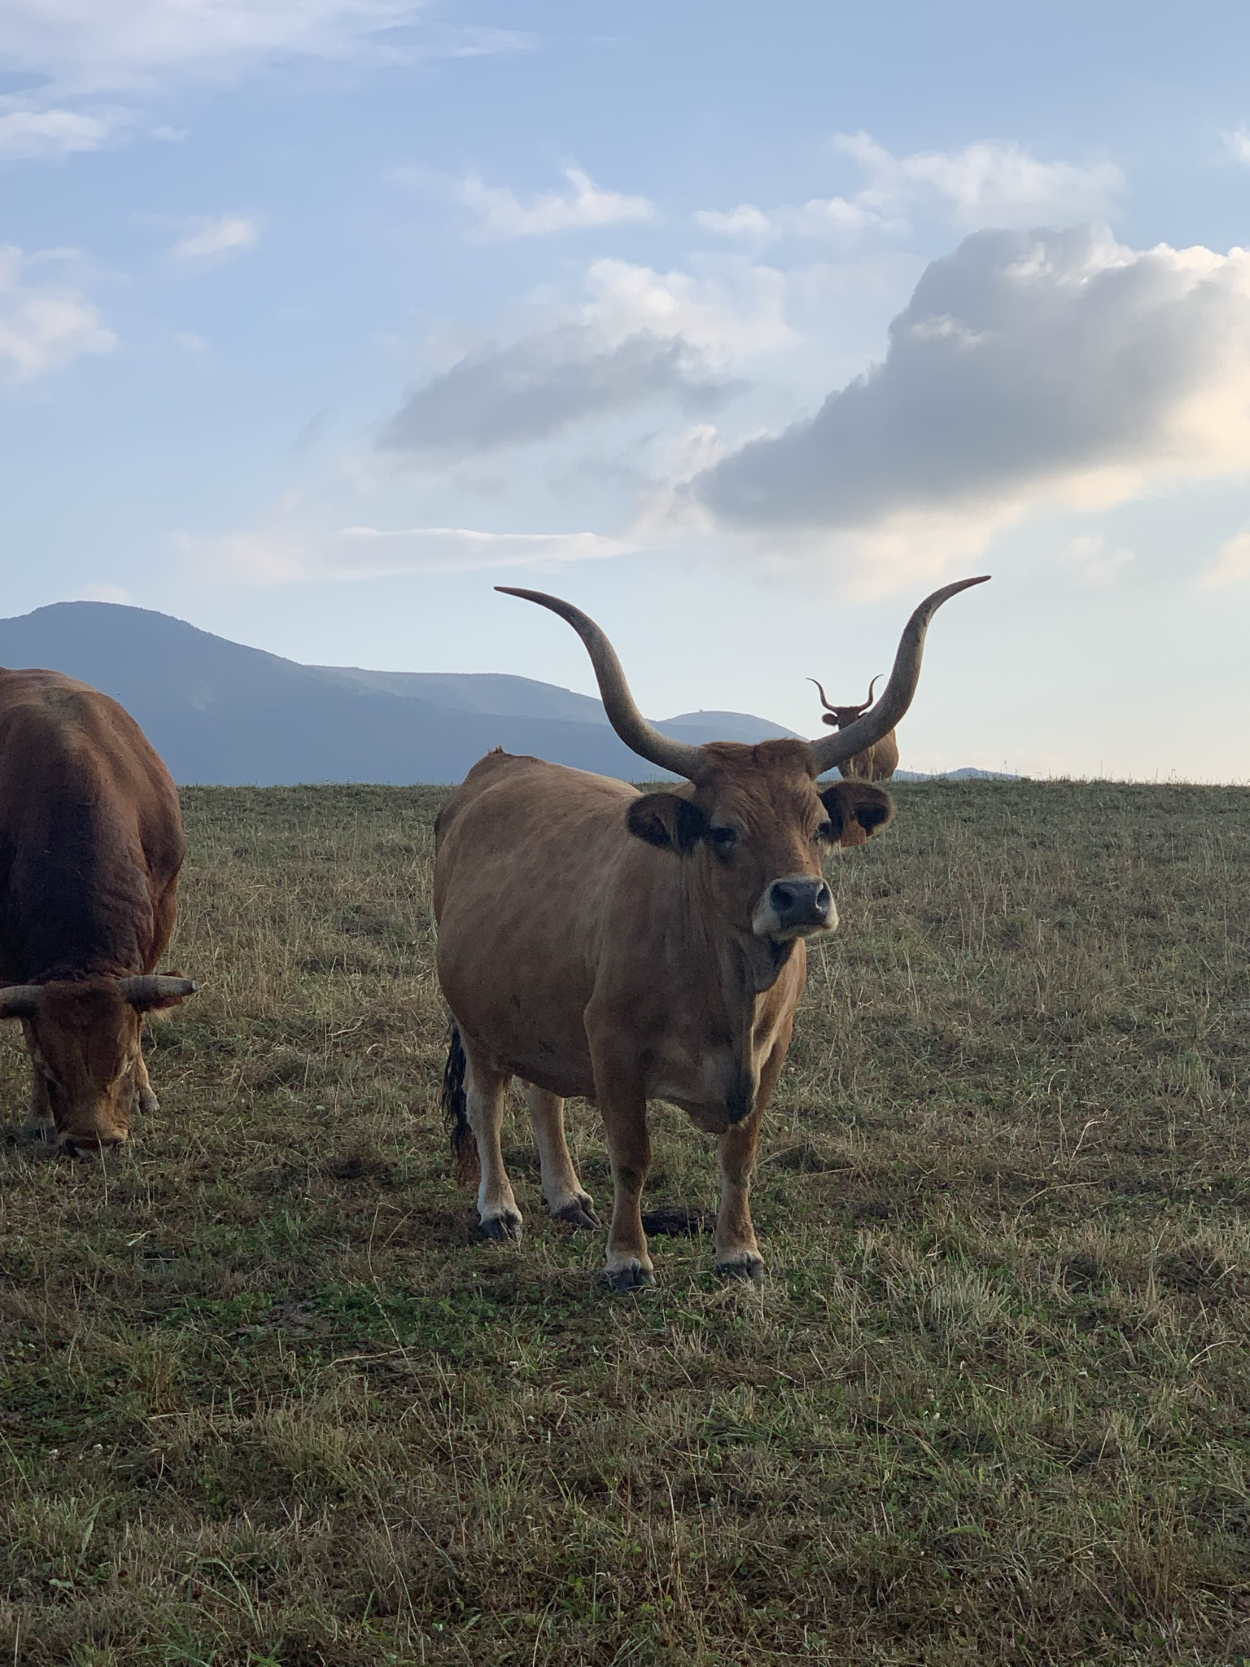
(856, 810)
(667, 820)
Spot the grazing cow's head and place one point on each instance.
(84, 1040)
(841, 717)
(753, 820)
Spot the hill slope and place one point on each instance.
(222, 713)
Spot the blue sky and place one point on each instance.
(741, 327)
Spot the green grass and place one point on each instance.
(264, 1400)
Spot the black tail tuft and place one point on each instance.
(455, 1110)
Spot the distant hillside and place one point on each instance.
(219, 712)
(222, 713)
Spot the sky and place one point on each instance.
(741, 327)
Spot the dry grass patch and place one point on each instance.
(264, 1400)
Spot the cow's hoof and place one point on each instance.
(746, 1266)
(632, 1277)
(502, 1229)
(148, 1103)
(579, 1212)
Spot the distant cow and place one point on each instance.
(595, 940)
(91, 842)
(875, 763)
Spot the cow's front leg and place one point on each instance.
(737, 1253)
(145, 1098)
(40, 1124)
(624, 1109)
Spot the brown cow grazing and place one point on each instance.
(595, 940)
(91, 843)
(877, 762)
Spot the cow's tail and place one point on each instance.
(455, 1109)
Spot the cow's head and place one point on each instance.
(84, 1041)
(753, 820)
(840, 717)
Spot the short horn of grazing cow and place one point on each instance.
(148, 990)
(18, 1001)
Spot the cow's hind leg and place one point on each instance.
(566, 1198)
(473, 1097)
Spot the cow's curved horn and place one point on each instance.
(146, 989)
(824, 698)
(18, 1001)
(897, 694)
(623, 714)
(872, 686)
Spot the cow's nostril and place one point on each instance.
(824, 897)
(783, 897)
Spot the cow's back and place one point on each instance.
(525, 872)
(91, 837)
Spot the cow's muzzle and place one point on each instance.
(794, 906)
(90, 1144)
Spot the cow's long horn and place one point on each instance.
(18, 1001)
(145, 989)
(623, 714)
(824, 698)
(897, 695)
(871, 687)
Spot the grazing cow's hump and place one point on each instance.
(89, 827)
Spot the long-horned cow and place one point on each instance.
(623, 946)
(875, 763)
(91, 843)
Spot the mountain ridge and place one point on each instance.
(223, 713)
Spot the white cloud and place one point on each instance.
(88, 45)
(1094, 562)
(44, 324)
(502, 214)
(278, 554)
(990, 183)
(635, 337)
(216, 238)
(727, 317)
(1056, 369)
(1232, 563)
(836, 218)
(1237, 144)
(33, 135)
(536, 387)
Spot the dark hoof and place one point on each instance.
(580, 1213)
(748, 1268)
(633, 1278)
(504, 1229)
(148, 1103)
(676, 1223)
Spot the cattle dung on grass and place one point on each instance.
(595, 940)
(91, 843)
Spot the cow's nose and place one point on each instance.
(801, 902)
(90, 1145)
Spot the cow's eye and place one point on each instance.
(724, 839)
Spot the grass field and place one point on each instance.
(264, 1400)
